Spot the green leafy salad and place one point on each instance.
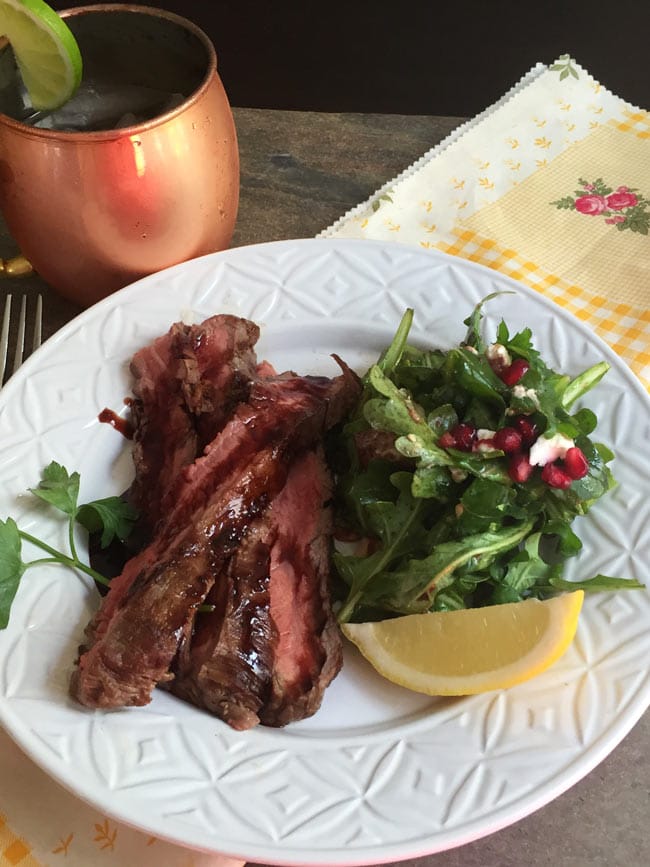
(462, 472)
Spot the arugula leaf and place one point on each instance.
(419, 369)
(421, 446)
(484, 503)
(391, 356)
(521, 346)
(442, 418)
(585, 420)
(527, 567)
(473, 321)
(597, 584)
(473, 374)
(582, 383)
(420, 580)
(433, 483)
(397, 525)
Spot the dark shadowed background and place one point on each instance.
(422, 57)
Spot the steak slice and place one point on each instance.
(217, 365)
(186, 385)
(308, 653)
(271, 646)
(164, 435)
(225, 666)
(136, 633)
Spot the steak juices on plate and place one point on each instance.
(226, 603)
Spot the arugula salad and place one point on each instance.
(462, 473)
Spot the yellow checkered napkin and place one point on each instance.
(14, 850)
(551, 186)
(42, 825)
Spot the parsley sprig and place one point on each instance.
(112, 517)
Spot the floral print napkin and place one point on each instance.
(622, 207)
(69, 833)
(551, 186)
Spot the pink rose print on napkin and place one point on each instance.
(590, 205)
(622, 198)
(623, 207)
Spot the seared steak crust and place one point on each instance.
(225, 666)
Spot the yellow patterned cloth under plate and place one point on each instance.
(44, 826)
(551, 186)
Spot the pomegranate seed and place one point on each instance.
(464, 435)
(575, 463)
(556, 477)
(519, 468)
(447, 441)
(511, 375)
(527, 429)
(508, 440)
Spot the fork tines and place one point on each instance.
(7, 333)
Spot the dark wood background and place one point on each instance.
(423, 57)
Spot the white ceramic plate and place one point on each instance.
(379, 773)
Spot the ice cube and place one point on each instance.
(101, 105)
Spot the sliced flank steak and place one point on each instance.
(212, 504)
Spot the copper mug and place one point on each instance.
(95, 210)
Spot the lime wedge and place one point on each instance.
(46, 52)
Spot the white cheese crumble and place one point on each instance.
(521, 392)
(483, 434)
(498, 353)
(545, 450)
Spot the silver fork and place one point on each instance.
(6, 331)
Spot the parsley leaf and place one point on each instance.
(11, 567)
(59, 488)
(112, 517)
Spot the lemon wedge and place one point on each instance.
(473, 650)
(46, 52)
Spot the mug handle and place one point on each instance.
(17, 266)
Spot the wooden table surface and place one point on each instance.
(300, 171)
